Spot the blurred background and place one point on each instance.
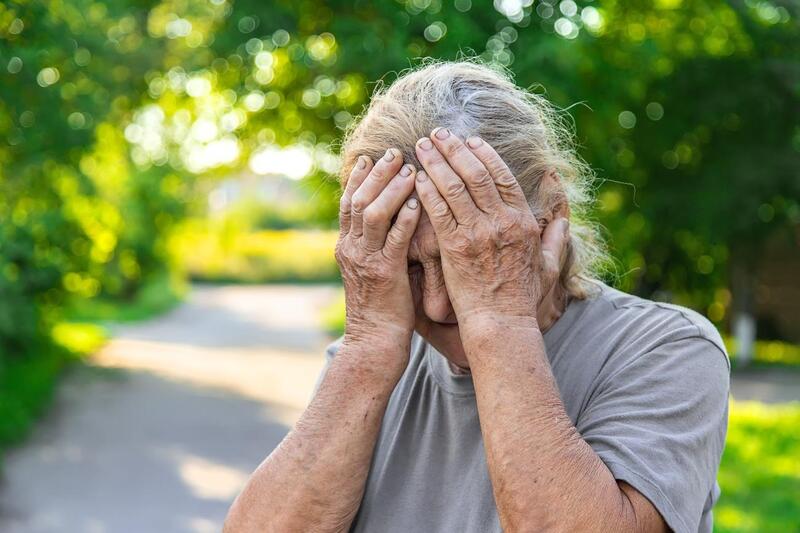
(168, 203)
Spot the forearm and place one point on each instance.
(544, 475)
(315, 479)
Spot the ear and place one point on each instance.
(552, 187)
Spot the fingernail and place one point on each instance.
(406, 170)
(413, 203)
(425, 143)
(362, 163)
(441, 133)
(389, 155)
(474, 142)
(421, 176)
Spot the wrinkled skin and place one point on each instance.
(493, 260)
(372, 251)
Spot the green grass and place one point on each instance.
(269, 256)
(760, 471)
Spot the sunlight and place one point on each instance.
(294, 162)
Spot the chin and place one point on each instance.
(446, 339)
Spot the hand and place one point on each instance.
(372, 251)
(496, 262)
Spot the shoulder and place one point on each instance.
(656, 410)
(638, 325)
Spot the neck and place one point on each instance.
(552, 307)
(550, 310)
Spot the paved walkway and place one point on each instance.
(769, 385)
(160, 431)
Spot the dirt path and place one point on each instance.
(159, 432)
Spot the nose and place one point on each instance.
(435, 300)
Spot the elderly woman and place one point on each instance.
(486, 379)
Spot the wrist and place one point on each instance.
(491, 322)
(360, 375)
(382, 352)
(371, 326)
(482, 331)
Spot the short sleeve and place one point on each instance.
(659, 423)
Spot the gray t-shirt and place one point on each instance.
(645, 383)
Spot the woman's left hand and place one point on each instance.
(497, 264)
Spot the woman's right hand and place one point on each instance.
(372, 251)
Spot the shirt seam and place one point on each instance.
(438, 379)
(666, 307)
(663, 344)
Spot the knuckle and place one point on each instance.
(495, 164)
(340, 252)
(508, 225)
(462, 246)
(394, 239)
(529, 226)
(474, 168)
(378, 270)
(401, 223)
(358, 204)
(506, 179)
(373, 214)
(455, 188)
(440, 209)
(480, 176)
(453, 148)
(380, 173)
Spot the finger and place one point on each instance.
(554, 246)
(471, 170)
(507, 185)
(357, 175)
(399, 236)
(378, 215)
(435, 205)
(371, 187)
(450, 186)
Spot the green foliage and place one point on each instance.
(77, 219)
(146, 93)
(155, 297)
(27, 383)
(26, 386)
(768, 352)
(225, 253)
(251, 215)
(683, 106)
(759, 476)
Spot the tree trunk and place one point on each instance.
(743, 316)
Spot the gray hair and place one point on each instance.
(526, 130)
